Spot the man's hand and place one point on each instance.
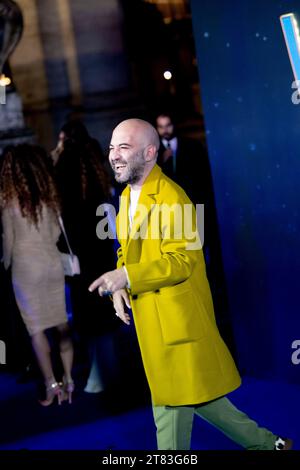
(120, 298)
(114, 282)
(110, 282)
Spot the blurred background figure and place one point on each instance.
(30, 208)
(84, 184)
(184, 160)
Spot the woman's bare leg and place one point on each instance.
(41, 348)
(66, 350)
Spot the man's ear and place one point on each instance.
(150, 153)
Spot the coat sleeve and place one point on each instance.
(120, 261)
(175, 264)
(173, 267)
(7, 236)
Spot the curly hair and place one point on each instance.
(78, 143)
(26, 177)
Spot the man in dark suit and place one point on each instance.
(184, 160)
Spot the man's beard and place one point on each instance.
(130, 177)
(133, 171)
(167, 136)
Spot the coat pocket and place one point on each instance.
(180, 315)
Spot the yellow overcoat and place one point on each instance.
(185, 359)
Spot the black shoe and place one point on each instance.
(283, 443)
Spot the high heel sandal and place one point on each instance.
(53, 390)
(68, 388)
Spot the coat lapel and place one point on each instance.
(122, 221)
(139, 223)
(145, 204)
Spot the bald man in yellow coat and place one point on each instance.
(161, 275)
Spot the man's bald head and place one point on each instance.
(133, 151)
(141, 130)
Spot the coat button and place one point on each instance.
(157, 291)
(134, 297)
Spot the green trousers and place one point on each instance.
(174, 425)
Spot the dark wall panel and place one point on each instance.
(253, 135)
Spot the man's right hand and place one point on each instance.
(120, 299)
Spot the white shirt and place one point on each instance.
(134, 199)
(173, 144)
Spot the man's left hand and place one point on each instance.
(110, 282)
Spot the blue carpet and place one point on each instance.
(94, 423)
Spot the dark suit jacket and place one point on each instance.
(192, 170)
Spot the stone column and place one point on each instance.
(12, 126)
(72, 59)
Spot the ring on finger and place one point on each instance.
(106, 292)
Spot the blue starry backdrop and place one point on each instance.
(253, 138)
